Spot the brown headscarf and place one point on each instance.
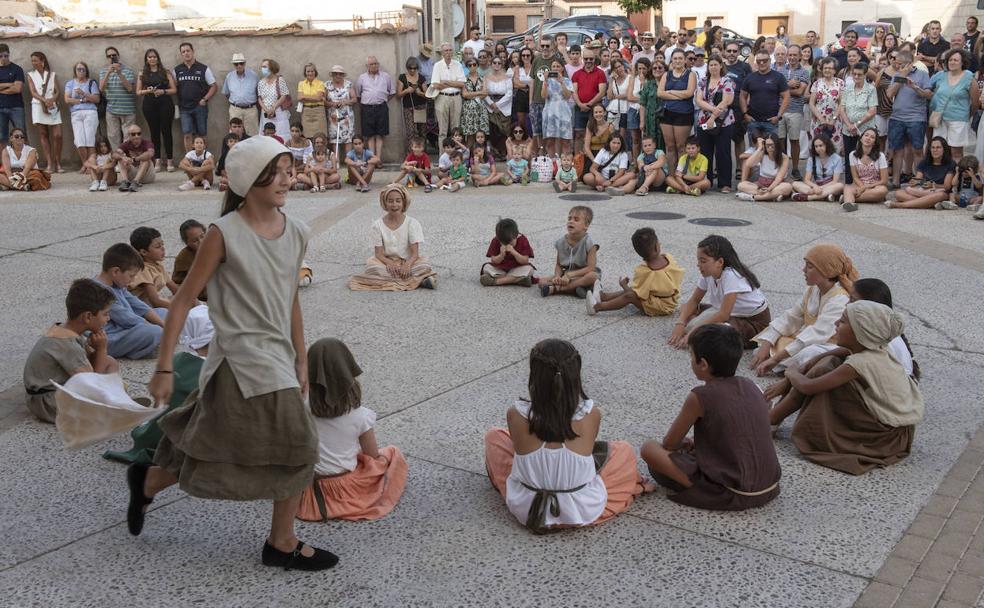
(332, 373)
(834, 264)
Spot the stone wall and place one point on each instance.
(291, 50)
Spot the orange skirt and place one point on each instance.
(620, 474)
(368, 492)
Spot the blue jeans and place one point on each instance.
(763, 126)
(7, 116)
(195, 121)
(137, 342)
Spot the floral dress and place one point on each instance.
(654, 112)
(474, 112)
(724, 86)
(341, 124)
(828, 97)
(558, 115)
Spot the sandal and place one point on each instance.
(136, 476)
(642, 191)
(725, 189)
(321, 560)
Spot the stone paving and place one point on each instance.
(441, 367)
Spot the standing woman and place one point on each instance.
(311, 94)
(81, 97)
(956, 96)
(341, 118)
(474, 113)
(619, 86)
(782, 38)
(889, 45)
(410, 87)
(248, 435)
(650, 105)
(824, 99)
(558, 112)
(155, 84)
(499, 101)
(522, 77)
(676, 89)
(715, 123)
(806, 59)
(271, 93)
(44, 109)
(638, 78)
(715, 37)
(858, 106)
(876, 45)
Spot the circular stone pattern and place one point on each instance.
(719, 221)
(655, 215)
(585, 198)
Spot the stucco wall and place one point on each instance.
(292, 51)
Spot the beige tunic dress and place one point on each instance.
(246, 434)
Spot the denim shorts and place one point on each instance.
(580, 119)
(536, 117)
(633, 118)
(195, 121)
(900, 132)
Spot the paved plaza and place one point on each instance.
(441, 367)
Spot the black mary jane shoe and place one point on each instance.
(294, 560)
(136, 475)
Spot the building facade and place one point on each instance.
(508, 17)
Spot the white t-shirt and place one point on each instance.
(621, 161)
(668, 53)
(474, 45)
(444, 162)
(197, 161)
(338, 440)
(397, 242)
(749, 301)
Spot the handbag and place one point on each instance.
(936, 118)
(614, 116)
(44, 93)
(288, 101)
(419, 114)
(718, 97)
(543, 167)
(975, 122)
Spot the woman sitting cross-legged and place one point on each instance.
(548, 465)
(932, 182)
(396, 264)
(772, 165)
(824, 179)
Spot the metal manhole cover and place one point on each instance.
(719, 221)
(655, 215)
(585, 198)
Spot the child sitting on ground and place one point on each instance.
(483, 169)
(610, 171)
(518, 168)
(192, 234)
(509, 257)
(353, 479)
(829, 275)
(153, 278)
(733, 295)
(101, 166)
(415, 169)
(444, 161)
(64, 351)
(270, 130)
(134, 329)
(655, 287)
(361, 163)
(457, 177)
(651, 168)
(566, 178)
(576, 269)
(730, 464)
(322, 172)
(966, 186)
(858, 408)
(691, 172)
(458, 137)
(199, 165)
(548, 465)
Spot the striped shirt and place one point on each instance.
(118, 99)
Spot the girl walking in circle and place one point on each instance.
(246, 434)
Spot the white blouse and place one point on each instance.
(827, 310)
(338, 440)
(397, 242)
(502, 87)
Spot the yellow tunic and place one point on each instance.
(153, 274)
(659, 290)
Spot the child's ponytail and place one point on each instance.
(718, 247)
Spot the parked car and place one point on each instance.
(596, 23)
(744, 43)
(575, 35)
(532, 30)
(865, 30)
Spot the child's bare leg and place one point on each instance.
(789, 404)
(618, 301)
(658, 459)
(703, 185)
(586, 280)
(507, 279)
(676, 183)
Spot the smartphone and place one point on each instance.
(899, 79)
(552, 74)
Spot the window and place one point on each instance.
(585, 10)
(847, 24)
(688, 23)
(767, 25)
(533, 20)
(503, 24)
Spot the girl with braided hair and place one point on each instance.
(548, 465)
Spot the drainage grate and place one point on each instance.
(719, 221)
(585, 198)
(655, 215)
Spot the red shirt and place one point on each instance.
(422, 162)
(588, 83)
(134, 151)
(509, 262)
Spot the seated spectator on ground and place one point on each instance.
(148, 284)
(824, 179)
(101, 166)
(192, 234)
(134, 329)
(870, 170)
(230, 140)
(691, 172)
(771, 165)
(20, 165)
(270, 130)
(932, 182)
(77, 345)
(361, 163)
(199, 165)
(135, 159)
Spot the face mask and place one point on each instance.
(265, 71)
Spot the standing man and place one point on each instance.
(540, 67)
(560, 38)
(798, 79)
(764, 96)
(239, 87)
(11, 101)
(850, 42)
(813, 41)
(529, 42)
(117, 83)
(932, 47)
(970, 38)
(680, 44)
(449, 77)
(737, 71)
(196, 85)
(907, 125)
(425, 59)
(374, 88)
(646, 39)
(591, 86)
(474, 42)
(959, 42)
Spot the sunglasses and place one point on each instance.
(135, 133)
(471, 64)
(518, 131)
(544, 46)
(496, 62)
(588, 60)
(730, 50)
(80, 69)
(761, 61)
(239, 63)
(16, 136)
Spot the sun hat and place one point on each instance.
(432, 91)
(247, 159)
(337, 69)
(426, 49)
(238, 58)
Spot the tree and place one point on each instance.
(638, 6)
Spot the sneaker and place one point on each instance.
(671, 190)
(556, 187)
(797, 175)
(574, 186)
(887, 203)
(581, 292)
(124, 186)
(526, 281)
(831, 198)
(974, 208)
(486, 280)
(103, 186)
(94, 185)
(615, 191)
(445, 186)
(188, 185)
(780, 198)
(799, 197)
(979, 214)
(206, 185)
(170, 167)
(429, 283)
(544, 290)
(947, 205)
(524, 180)
(743, 196)
(135, 186)
(428, 188)
(849, 207)
(589, 303)
(694, 192)
(315, 189)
